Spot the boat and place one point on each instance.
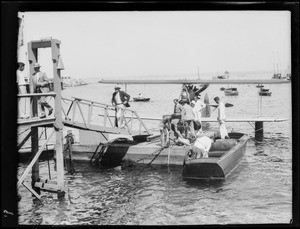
(277, 74)
(231, 91)
(140, 99)
(223, 157)
(224, 76)
(259, 86)
(264, 92)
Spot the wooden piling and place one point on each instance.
(259, 131)
(55, 45)
(35, 175)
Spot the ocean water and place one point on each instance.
(259, 191)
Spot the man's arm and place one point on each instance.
(31, 84)
(127, 96)
(113, 99)
(45, 80)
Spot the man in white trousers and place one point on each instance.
(221, 118)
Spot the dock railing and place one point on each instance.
(33, 102)
(101, 115)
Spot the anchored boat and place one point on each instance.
(223, 157)
(231, 91)
(140, 99)
(264, 92)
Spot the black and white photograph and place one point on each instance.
(154, 117)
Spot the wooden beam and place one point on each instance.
(32, 191)
(34, 160)
(50, 187)
(24, 140)
(36, 94)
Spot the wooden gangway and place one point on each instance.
(79, 114)
(88, 119)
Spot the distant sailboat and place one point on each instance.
(276, 74)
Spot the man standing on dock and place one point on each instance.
(199, 105)
(22, 81)
(40, 84)
(221, 118)
(120, 99)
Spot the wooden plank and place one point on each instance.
(36, 121)
(32, 191)
(47, 186)
(95, 127)
(34, 160)
(24, 140)
(36, 94)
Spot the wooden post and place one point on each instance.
(35, 175)
(58, 119)
(259, 131)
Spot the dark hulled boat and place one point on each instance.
(221, 160)
(264, 92)
(231, 91)
(140, 99)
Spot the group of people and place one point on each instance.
(38, 83)
(189, 115)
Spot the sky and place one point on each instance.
(128, 44)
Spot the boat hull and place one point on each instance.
(141, 99)
(265, 93)
(218, 165)
(229, 91)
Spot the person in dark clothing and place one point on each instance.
(120, 100)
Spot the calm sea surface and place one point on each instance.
(259, 191)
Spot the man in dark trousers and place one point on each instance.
(40, 84)
(120, 100)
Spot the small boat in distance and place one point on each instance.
(264, 92)
(231, 91)
(224, 76)
(140, 98)
(223, 157)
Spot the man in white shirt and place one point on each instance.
(187, 116)
(22, 81)
(199, 105)
(201, 146)
(221, 118)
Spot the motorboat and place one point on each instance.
(231, 91)
(223, 157)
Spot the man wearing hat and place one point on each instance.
(40, 84)
(120, 99)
